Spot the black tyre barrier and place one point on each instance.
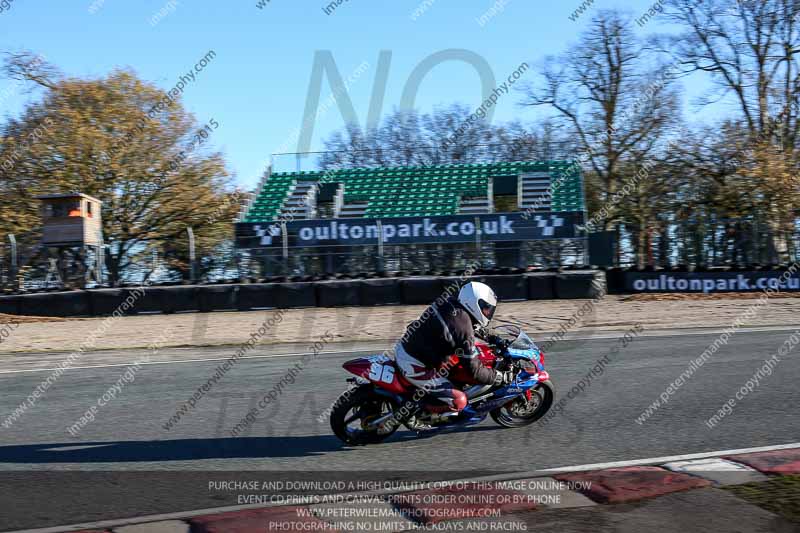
(541, 286)
(181, 299)
(380, 292)
(9, 305)
(579, 284)
(338, 293)
(150, 300)
(615, 281)
(104, 302)
(167, 300)
(60, 304)
(507, 288)
(422, 291)
(333, 293)
(291, 295)
(217, 298)
(451, 285)
(257, 296)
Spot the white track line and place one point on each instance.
(180, 361)
(108, 524)
(601, 336)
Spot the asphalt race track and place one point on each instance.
(598, 425)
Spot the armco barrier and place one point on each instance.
(541, 286)
(217, 298)
(9, 305)
(380, 292)
(61, 304)
(256, 296)
(290, 295)
(579, 284)
(337, 293)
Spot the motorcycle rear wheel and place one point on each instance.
(510, 415)
(361, 405)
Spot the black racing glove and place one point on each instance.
(483, 333)
(494, 340)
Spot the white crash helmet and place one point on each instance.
(479, 300)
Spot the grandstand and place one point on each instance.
(385, 192)
(418, 218)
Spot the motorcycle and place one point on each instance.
(380, 399)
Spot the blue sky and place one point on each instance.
(256, 86)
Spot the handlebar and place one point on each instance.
(498, 341)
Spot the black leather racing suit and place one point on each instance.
(428, 342)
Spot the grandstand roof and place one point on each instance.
(420, 190)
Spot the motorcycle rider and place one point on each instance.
(446, 329)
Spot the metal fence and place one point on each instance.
(728, 243)
(709, 242)
(38, 268)
(412, 258)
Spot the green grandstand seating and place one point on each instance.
(404, 191)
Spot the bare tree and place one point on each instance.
(415, 139)
(750, 48)
(606, 92)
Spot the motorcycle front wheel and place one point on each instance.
(521, 412)
(354, 410)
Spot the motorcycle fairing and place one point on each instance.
(381, 370)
